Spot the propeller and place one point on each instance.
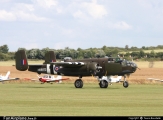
(94, 68)
(138, 68)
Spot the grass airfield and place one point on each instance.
(35, 99)
(28, 98)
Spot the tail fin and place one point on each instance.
(21, 60)
(7, 75)
(50, 57)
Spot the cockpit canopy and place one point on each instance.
(128, 63)
(111, 59)
(67, 58)
(123, 62)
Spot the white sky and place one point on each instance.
(80, 23)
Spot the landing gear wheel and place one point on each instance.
(103, 84)
(125, 84)
(78, 83)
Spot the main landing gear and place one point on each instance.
(105, 80)
(103, 84)
(78, 83)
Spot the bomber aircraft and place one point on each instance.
(98, 67)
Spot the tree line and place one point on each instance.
(132, 53)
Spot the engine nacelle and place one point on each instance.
(48, 69)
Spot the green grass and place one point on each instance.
(34, 99)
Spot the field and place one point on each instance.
(145, 51)
(28, 98)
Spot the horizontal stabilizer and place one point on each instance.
(1, 80)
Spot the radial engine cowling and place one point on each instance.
(94, 68)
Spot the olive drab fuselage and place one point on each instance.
(110, 66)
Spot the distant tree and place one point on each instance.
(127, 54)
(141, 54)
(134, 48)
(2, 56)
(135, 54)
(126, 47)
(143, 47)
(4, 49)
(104, 48)
(152, 54)
(39, 54)
(100, 53)
(44, 51)
(32, 54)
(160, 46)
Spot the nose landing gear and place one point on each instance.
(125, 83)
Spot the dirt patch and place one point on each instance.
(139, 77)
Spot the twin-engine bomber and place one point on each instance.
(101, 68)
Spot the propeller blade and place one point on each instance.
(94, 68)
(139, 68)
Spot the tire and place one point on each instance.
(103, 84)
(125, 84)
(78, 83)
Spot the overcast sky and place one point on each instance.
(80, 23)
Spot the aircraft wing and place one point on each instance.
(69, 64)
(155, 79)
(57, 79)
(35, 64)
(9, 79)
(35, 80)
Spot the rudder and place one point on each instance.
(21, 60)
(7, 74)
(50, 57)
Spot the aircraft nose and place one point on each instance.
(134, 66)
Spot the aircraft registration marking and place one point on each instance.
(42, 69)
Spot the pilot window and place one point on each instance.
(111, 60)
(124, 63)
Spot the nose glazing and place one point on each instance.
(134, 66)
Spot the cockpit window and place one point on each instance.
(128, 63)
(117, 60)
(110, 59)
(123, 63)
